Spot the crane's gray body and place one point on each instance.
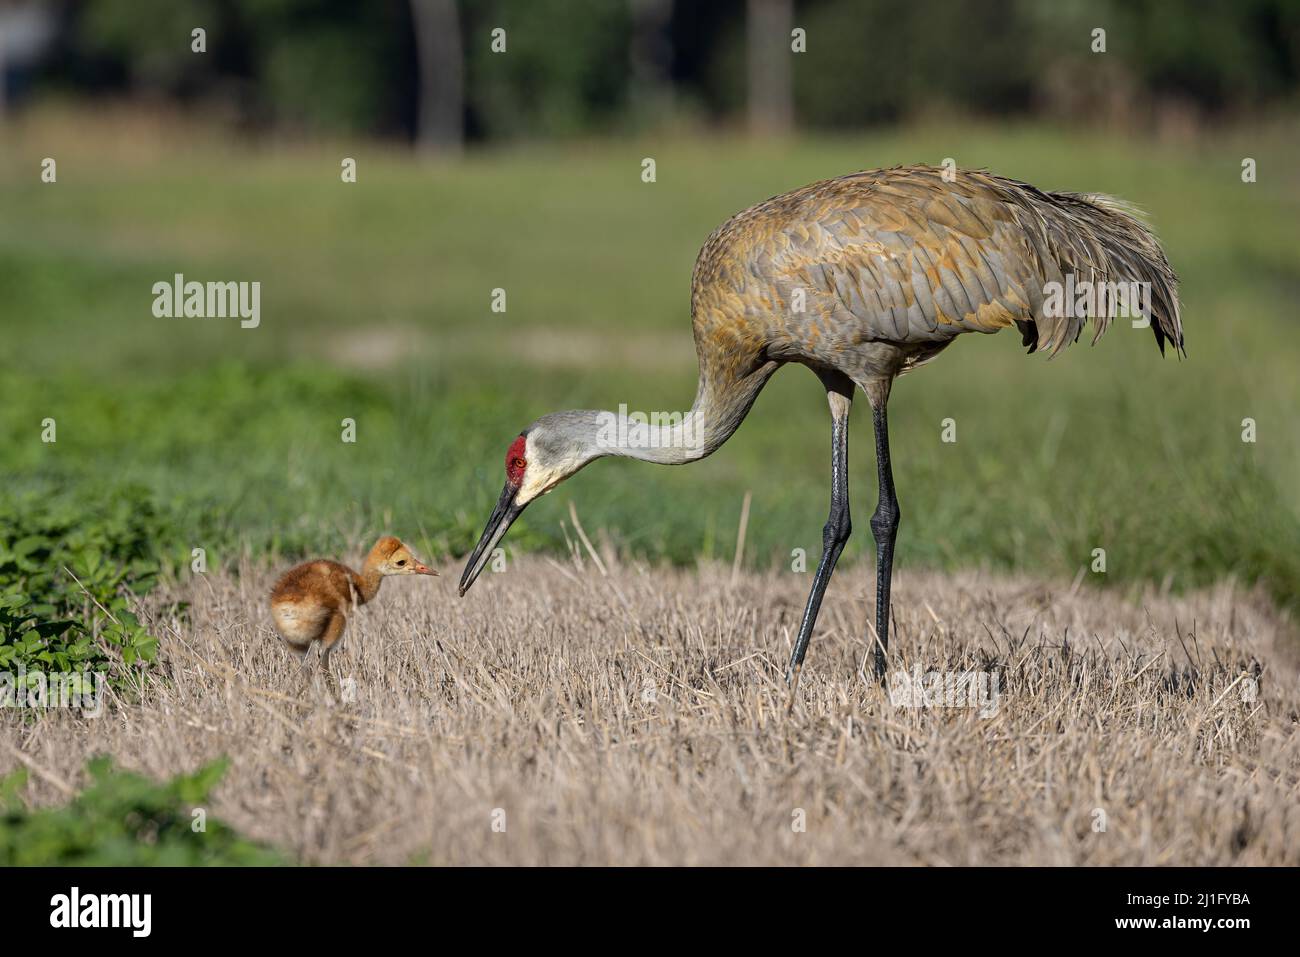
(873, 273)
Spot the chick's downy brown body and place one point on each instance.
(311, 602)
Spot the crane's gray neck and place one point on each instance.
(672, 438)
(669, 438)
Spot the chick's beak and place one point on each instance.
(422, 569)
(503, 516)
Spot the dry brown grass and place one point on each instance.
(640, 718)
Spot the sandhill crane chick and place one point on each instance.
(311, 601)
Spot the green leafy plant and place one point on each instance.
(125, 820)
(67, 567)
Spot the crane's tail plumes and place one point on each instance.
(1103, 241)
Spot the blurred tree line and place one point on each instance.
(427, 69)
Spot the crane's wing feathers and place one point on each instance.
(912, 255)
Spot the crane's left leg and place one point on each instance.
(884, 528)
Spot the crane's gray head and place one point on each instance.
(543, 456)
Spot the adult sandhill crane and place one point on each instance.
(861, 279)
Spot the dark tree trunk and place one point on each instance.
(771, 98)
(442, 95)
(651, 56)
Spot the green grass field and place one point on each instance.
(376, 306)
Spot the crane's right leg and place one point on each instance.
(884, 528)
(839, 392)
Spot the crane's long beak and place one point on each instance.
(503, 516)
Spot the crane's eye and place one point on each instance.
(519, 462)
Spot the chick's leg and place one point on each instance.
(303, 654)
(332, 637)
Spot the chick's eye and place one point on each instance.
(401, 563)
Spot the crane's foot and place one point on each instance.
(792, 681)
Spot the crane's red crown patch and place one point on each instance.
(515, 461)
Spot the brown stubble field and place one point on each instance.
(561, 714)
